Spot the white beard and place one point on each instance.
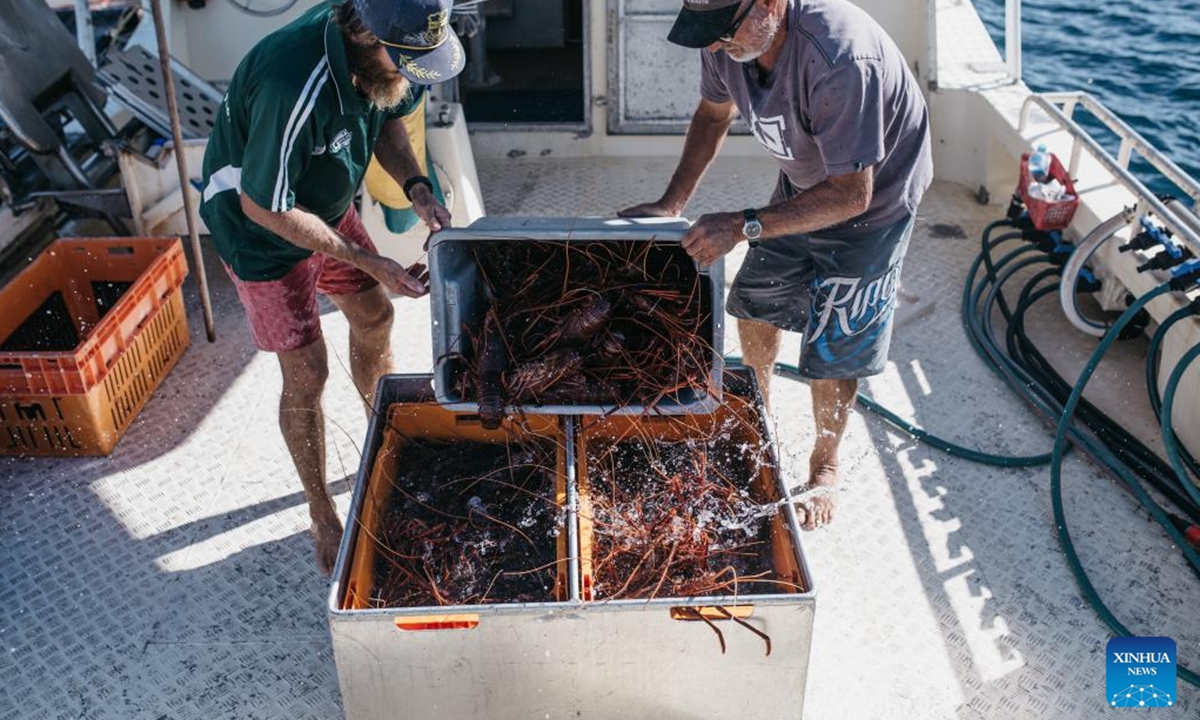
(389, 97)
(745, 56)
(767, 28)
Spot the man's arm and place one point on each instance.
(835, 199)
(395, 154)
(706, 134)
(308, 231)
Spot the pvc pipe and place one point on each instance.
(1079, 258)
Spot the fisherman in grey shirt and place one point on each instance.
(827, 93)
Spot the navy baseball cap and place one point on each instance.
(702, 22)
(417, 35)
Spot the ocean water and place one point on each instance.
(1141, 58)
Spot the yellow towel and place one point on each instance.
(380, 185)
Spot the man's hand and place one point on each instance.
(658, 208)
(434, 214)
(412, 282)
(712, 237)
(706, 133)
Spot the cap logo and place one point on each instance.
(439, 22)
(437, 29)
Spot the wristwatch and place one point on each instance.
(413, 181)
(751, 227)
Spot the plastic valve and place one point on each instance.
(1087, 281)
(1162, 236)
(1161, 261)
(1141, 241)
(1185, 275)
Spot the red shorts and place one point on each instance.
(283, 313)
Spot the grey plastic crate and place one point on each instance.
(600, 660)
(457, 299)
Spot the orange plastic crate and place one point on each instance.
(58, 399)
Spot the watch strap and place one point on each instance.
(750, 215)
(413, 181)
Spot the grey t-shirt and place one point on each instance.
(839, 99)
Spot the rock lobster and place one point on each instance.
(612, 323)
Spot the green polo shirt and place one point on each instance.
(292, 130)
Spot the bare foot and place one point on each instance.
(328, 534)
(820, 496)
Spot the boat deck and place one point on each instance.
(175, 578)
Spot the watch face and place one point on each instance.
(752, 229)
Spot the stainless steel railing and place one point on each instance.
(1012, 38)
(1185, 223)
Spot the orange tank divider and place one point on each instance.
(587, 530)
(562, 550)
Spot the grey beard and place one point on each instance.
(747, 56)
(769, 28)
(389, 96)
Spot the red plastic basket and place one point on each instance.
(1047, 214)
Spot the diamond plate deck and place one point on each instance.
(175, 578)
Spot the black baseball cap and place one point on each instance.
(417, 35)
(702, 22)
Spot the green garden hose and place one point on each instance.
(1060, 446)
(1035, 380)
(1168, 432)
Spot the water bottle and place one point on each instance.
(1039, 164)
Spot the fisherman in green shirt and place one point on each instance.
(305, 110)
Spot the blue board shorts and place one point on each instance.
(839, 291)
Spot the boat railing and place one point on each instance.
(1012, 38)
(1182, 221)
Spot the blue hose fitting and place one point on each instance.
(1186, 275)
